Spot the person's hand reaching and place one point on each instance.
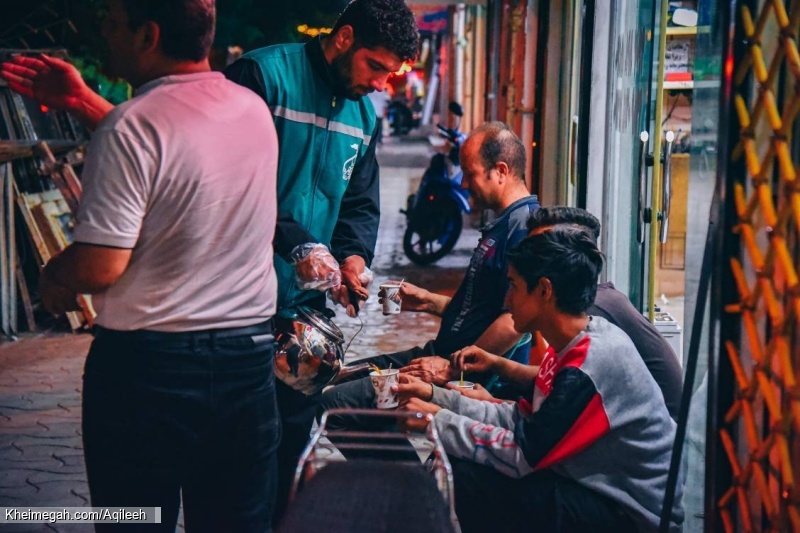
(476, 393)
(473, 359)
(410, 387)
(413, 297)
(432, 369)
(50, 81)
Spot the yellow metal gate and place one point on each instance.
(758, 427)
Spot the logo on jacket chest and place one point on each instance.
(350, 164)
(547, 371)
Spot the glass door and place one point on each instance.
(617, 168)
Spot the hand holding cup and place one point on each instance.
(476, 392)
(410, 387)
(390, 297)
(384, 382)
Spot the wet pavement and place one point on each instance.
(382, 334)
(41, 455)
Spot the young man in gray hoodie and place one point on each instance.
(590, 450)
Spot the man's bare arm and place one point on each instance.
(474, 359)
(86, 268)
(500, 336)
(422, 300)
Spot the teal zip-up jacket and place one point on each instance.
(328, 186)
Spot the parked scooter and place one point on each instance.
(433, 214)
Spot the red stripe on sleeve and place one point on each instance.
(577, 354)
(588, 428)
(525, 407)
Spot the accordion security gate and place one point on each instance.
(756, 430)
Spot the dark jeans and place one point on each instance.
(191, 414)
(487, 500)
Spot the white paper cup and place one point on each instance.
(391, 298)
(461, 384)
(385, 397)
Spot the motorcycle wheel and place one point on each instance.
(426, 243)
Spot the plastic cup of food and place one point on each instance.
(385, 397)
(391, 298)
(457, 384)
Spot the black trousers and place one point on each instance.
(487, 500)
(166, 414)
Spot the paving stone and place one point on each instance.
(17, 418)
(65, 395)
(45, 464)
(73, 458)
(61, 492)
(40, 443)
(19, 401)
(57, 428)
(7, 438)
(22, 495)
(42, 478)
(14, 483)
(18, 425)
(33, 454)
(82, 493)
(51, 465)
(20, 390)
(12, 478)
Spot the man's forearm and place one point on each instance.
(91, 110)
(87, 269)
(500, 336)
(63, 271)
(523, 375)
(437, 303)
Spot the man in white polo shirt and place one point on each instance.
(174, 240)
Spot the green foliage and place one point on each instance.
(88, 49)
(115, 91)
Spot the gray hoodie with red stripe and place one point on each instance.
(596, 417)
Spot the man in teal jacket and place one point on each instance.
(327, 172)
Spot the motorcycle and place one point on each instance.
(434, 213)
